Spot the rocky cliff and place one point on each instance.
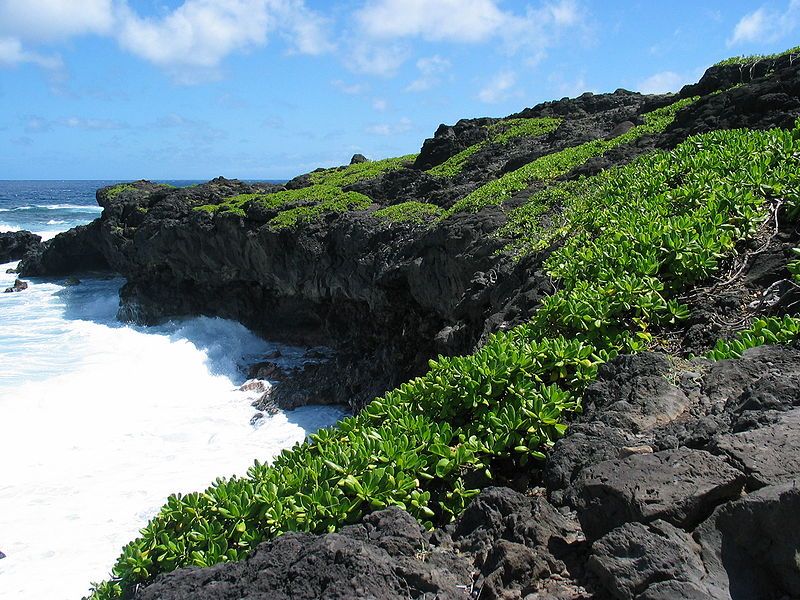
(387, 294)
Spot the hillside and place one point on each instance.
(561, 314)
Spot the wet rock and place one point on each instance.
(10, 271)
(72, 281)
(266, 403)
(631, 558)
(15, 244)
(2, 555)
(256, 419)
(18, 286)
(267, 370)
(750, 547)
(679, 486)
(254, 385)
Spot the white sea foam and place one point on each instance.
(5, 227)
(76, 207)
(99, 422)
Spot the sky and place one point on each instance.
(268, 89)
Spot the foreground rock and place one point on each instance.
(18, 286)
(506, 545)
(15, 244)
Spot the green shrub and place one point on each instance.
(770, 330)
(339, 202)
(344, 176)
(417, 213)
(293, 206)
(754, 58)
(501, 132)
(116, 190)
(554, 165)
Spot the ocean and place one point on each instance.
(100, 421)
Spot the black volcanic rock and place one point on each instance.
(15, 244)
(18, 286)
(380, 559)
(679, 486)
(70, 252)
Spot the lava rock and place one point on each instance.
(254, 385)
(680, 486)
(358, 158)
(15, 244)
(267, 370)
(377, 559)
(634, 556)
(18, 286)
(768, 455)
(750, 547)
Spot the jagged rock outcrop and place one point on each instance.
(15, 244)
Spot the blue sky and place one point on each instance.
(259, 89)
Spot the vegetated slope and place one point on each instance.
(667, 249)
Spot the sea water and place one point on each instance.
(100, 421)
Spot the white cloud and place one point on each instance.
(765, 25)
(660, 83)
(39, 124)
(430, 69)
(498, 88)
(470, 21)
(199, 33)
(190, 41)
(12, 54)
(351, 89)
(403, 125)
(54, 19)
(450, 20)
(380, 104)
(375, 58)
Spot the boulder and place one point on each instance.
(680, 486)
(631, 558)
(18, 286)
(750, 547)
(358, 158)
(768, 455)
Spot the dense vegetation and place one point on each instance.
(324, 196)
(554, 165)
(655, 226)
(501, 132)
(417, 213)
(344, 176)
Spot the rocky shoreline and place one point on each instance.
(679, 478)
